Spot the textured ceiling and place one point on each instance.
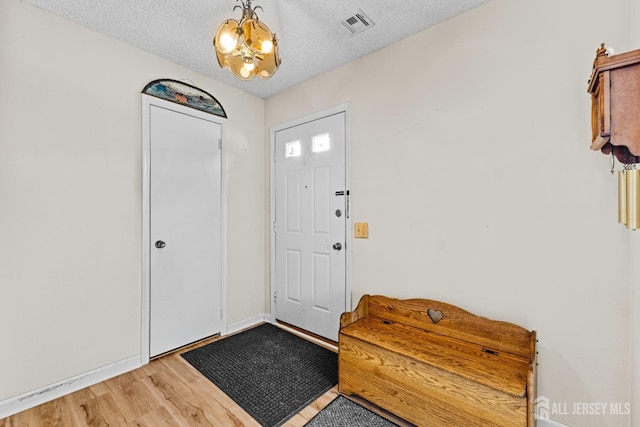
(312, 39)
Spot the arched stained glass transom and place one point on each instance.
(184, 94)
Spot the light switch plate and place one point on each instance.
(362, 230)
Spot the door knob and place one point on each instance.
(337, 246)
(160, 244)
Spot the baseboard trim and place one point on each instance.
(247, 323)
(22, 402)
(550, 423)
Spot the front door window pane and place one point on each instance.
(321, 143)
(293, 149)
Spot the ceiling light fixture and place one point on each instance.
(247, 48)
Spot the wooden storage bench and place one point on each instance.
(434, 364)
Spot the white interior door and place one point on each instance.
(310, 224)
(185, 229)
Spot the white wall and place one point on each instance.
(70, 204)
(470, 162)
(634, 293)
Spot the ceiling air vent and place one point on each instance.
(358, 22)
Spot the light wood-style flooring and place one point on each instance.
(166, 392)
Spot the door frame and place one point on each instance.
(342, 108)
(147, 102)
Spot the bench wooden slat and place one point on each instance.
(422, 394)
(456, 323)
(504, 372)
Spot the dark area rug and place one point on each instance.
(271, 373)
(342, 412)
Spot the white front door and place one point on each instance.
(310, 224)
(185, 228)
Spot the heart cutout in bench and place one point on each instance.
(435, 315)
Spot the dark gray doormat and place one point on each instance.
(271, 373)
(342, 412)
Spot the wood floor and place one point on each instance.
(166, 392)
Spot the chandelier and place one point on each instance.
(247, 48)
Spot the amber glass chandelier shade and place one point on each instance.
(227, 37)
(268, 64)
(256, 36)
(241, 67)
(222, 59)
(247, 48)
